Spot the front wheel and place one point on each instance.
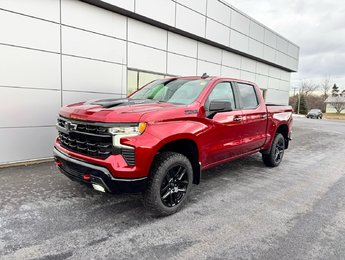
(169, 184)
(275, 156)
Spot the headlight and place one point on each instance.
(132, 129)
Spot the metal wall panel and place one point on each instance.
(269, 54)
(21, 67)
(88, 17)
(285, 75)
(293, 50)
(274, 72)
(239, 41)
(217, 32)
(270, 38)
(218, 11)
(274, 83)
(34, 8)
(146, 34)
(261, 81)
(70, 97)
(245, 75)
(256, 48)
(281, 58)
(28, 107)
(182, 45)
(230, 72)
(239, 22)
(210, 68)
(257, 31)
(90, 75)
(262, 68)
(190, 21)
(25, 31)
(159, 10)
(277, 97)
(209, 53)
(293, 63)
(282, 44)
(20, 144)
(85, 44)
(181, 65)
(248, 64)
(197, 5)
(145, 58)
(231, 59)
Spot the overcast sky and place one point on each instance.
(316, 26)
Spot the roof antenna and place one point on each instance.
(204, 76)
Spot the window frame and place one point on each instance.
(236, 105)
(236, 83)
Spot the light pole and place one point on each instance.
(299, 102)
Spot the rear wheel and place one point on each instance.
(275, 156)
(169, 183)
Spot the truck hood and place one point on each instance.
(115, 110)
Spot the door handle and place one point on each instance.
(237, 118)
(263, 115)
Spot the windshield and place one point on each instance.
(179, 91)
(314, 111)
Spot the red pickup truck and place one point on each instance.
(159, 139)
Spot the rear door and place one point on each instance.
(254, 117)
(223, 140)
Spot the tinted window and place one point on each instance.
(222, 91)
(179, 91)
(247, 95)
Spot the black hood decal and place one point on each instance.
(108, 103)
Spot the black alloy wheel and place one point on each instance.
(274, 155)
(279, 151)
(174, 186)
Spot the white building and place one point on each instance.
(55, 52)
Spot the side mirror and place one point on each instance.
(217, 106)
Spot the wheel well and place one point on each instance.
(284, 130)
(189, 149)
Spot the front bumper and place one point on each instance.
(94, 175)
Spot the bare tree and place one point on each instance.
(338, 102)
(325, 87)
(308, 87)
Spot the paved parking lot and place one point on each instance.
(241, 210)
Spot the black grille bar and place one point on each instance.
(129, 155)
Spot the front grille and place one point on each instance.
(84, 138)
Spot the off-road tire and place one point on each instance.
(272, 159)
(163, 163)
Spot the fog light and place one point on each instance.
(98, 187)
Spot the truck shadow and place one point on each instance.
(242, 170)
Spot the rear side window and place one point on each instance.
(248, 96)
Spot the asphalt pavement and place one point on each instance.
(241, 210)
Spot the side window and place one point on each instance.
(222, 91)
(247, 95)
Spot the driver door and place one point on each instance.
(223, 141)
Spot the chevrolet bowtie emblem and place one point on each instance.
(70, 126)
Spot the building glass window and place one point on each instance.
(137, 79)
